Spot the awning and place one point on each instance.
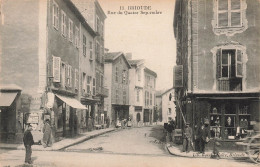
(74, 103)
(7, 98)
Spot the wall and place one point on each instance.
(108, 84)
(204, 68)
(19, 38)
(166, 104)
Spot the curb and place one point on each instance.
(21, 147)
(86, 138)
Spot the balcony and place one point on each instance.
(101, 91)
(230, 84)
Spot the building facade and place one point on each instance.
(216, 77)
(48, 63)
(168, 105)
(117, 74)
(136, 90)
(95, 16)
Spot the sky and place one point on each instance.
(148, 37)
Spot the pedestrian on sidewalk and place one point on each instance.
(197, 138)
(47, 132)
(204, 137)
(187, 138)
(28, 142)
(108, 122)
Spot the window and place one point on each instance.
(89, 78)
(117, 97)
(63, 74)
(139, 74)
(215, 120)
(55, 18)
(169, 111)
(77, 37)
(84, 42)
(101, 80)
(63, 24)
(98, 25)
(90, 50)
(94, 86)
(84, 83)
(56, 68)
(124, 76)
(76, 78)
(69, 76)
(70, 30)
(124, 97)
(138, 95)
(229, 13)
(116, 74)
(229, 69)
(170, 97)
(102, 29)
(97, 52)
(151, 99)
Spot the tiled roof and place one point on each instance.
(135, 62)
(112, 55)
(150, 71)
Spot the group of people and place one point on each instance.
(201, 136)
(28, 140)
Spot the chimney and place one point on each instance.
(128, 56)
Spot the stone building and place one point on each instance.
(41, 43)
(168, 105)
(216, 76)
(117, 81)
(95, 16)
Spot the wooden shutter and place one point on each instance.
(239, 64)
(178, 76)
(218, 63)
(50, 67)
(56, 69)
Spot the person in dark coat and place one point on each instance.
(108, 122)
(169, 129)
(28, 142)
(204, 137)
(187, 138)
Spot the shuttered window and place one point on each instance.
(229, 13)
(56, 69)
(70, 30)
(76, 78)
(229, 63)
(55, 18)
(89, 84)
(63, 24)
(178, 76)
(94, 86)
(84, 45)
(69, 76)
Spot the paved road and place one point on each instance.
(136, 141)
(123, 148)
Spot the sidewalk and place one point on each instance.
(224, 154)
(66, 142)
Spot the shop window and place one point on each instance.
(215, 121)
(244, 120)
(230, 119)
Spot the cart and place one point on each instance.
(252, 145)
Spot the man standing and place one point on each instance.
(204, 137)
(28, 142)
(47, 134)
(187, 135)
(108, 121)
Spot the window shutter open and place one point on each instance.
(178, 76)
(239, 64)
(56, 69)
(218, 63)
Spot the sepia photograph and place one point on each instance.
(129, 83)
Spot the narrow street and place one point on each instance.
(136, 141)
(124, 147)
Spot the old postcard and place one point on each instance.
(129, 83)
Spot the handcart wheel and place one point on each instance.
(253, 148)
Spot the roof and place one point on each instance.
(82, 19)
(150, 71)
(136, 62)
(100, 9)
(168, 90)
(112, 56)
(12, 87)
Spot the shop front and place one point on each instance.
(120, 113)
(65, 114)
(231, 117)
(11, 120)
